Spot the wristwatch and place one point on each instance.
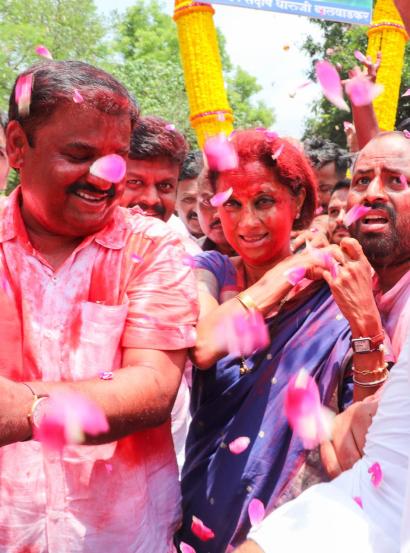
(368, 344)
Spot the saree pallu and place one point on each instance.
(309, 332)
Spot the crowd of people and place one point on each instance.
(182, 319)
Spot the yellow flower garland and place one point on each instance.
(201, 61)
(388, 35)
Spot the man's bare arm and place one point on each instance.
(140, 395)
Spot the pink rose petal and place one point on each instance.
(376, 474)
(358, 501)
(329, 79)
(362, 91)
(22, 95)
(354, 214)
(220, 153)
(43, 52)
(110, 168)
(277, 152)
(406, 133)
(347, 126)
(170, 127)
(220, 116)
(304, 410)
(319, 210)
(136, 258)
(407, 93)
(295, 275)
(200, 530)
(242, 334)
(221, 197)
(256, 511)
(77, 98)
(106, 375)
(360, 57)
(185, 548)
(403, 181)
(271, 135)
(68, 417)
(239, 445)
(189, 261)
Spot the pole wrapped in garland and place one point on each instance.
(210, 113)
(388, 35)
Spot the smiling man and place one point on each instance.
(78, 310)
(187, 193)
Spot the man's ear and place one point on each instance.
(16, 144)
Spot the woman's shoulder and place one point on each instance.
(221, 266)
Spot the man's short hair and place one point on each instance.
(321, 151)
(192, 165)
(343, 184)
(55, 83)
(404, 125)
(153, 137)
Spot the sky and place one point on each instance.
(257, 40)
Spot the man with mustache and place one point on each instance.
(187, 193)
(97, 308)
(318, 519)
(337, 210)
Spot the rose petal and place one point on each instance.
(271, 135)
(106, 375)
(376, 474)
(354, 214)
(77, 98)
(256, 511)
(295, 275)
(319, 210)
(136, 258)
(67, 418)
(407, 93)
(220, 153)
(22, 94)
(277, 152)
(360, 57)
(239, 445)
(358, 501)
(43, 52)
(189, 261)
(329, 79)
(243, 334)
(406, 133)
(185, 548)
(200, 530)
(110, 168)
(347, 125)
(404, 181)
(220, 116)
(170, 127)
(221, 197)
(362, 91)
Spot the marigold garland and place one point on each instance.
(388, 35)
(201, 61)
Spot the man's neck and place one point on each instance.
(390, 275)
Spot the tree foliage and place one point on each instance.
(342, 40)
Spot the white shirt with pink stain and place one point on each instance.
(71, 324)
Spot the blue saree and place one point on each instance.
(217, 486)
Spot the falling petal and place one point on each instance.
(360, 57)
(354, 214)
(407, 93)
(220, 153)
(256, 511)
(330, 263)
(329, 79)
(358, 501)
(221, 197)
(189, 261)
(376, 474)
(271, 135)
(106, 375)
(68, 417)
(77, 98)
(136, 258)
(220, 116)
(170, 127)
(347, 126)
(406, 133)
(110, 168)
(295, 275)
(242, 334)
(185, 548)
(362, 91)
(200, 530)
(43, 52)
(239, 445)
(403, 181)
(277, 152)
(303, 409)
(319, 210)
(23, 90)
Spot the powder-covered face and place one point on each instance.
(152, 185)
(327, 177)
(59, 194)
(336, 213)
(4, 162)
(186, 205)
(381, 181)
(258, 217)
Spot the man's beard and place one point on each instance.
(390, 247)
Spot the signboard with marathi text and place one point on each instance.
(357, 12)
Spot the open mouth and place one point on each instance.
(254, 239)
(375, 221)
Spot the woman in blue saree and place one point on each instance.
(243, 397)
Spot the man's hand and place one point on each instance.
(349, 436)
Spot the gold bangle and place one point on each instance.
(247, 302)
(373, 371)
(370, 384)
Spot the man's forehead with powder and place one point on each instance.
(388, 151)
